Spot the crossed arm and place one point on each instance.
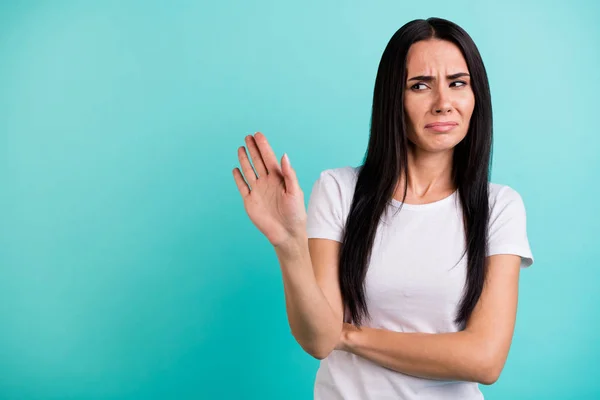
(477, 353)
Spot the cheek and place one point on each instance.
(413, 111)
(466, 104)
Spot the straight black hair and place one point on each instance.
(386, 159)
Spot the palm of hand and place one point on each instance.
(272, 197)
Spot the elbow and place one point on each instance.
(488, 378)
(318, 349)
(319, 346)
(320, 355)
(489, 371)
(319, 352)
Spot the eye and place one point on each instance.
(417, 84)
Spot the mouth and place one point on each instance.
(441, 126)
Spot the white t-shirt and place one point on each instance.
(414, 280)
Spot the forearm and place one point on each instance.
(453, 356)
(312, 320)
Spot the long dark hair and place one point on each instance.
(386, 159)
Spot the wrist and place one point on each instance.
(293, 248)
(350, 337)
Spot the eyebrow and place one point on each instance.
(428, 78)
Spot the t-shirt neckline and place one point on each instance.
(426, 206)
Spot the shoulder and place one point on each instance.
(346, 175)
(506, 207)
(501, 196)
(340, 180)
(334, 188)
(508, 224)
(329, 202)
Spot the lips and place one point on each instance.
(441, 126)
(433, 124)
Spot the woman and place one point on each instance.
(402, 277)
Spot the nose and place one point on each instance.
(442, 103)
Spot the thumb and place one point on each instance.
(289, 175)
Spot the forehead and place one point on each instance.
(429, 56)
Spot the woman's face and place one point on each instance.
(437, 91)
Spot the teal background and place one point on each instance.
(128, 267)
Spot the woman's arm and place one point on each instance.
(478, 353)
(312, 296)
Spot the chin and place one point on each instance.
(440, 143)
(438, 149)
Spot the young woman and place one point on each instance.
(402, 277)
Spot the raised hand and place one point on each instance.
(272, 196)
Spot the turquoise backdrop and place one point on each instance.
(128, 267)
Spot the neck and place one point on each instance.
(428, 173)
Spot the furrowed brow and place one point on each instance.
(428, 78)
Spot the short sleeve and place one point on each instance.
(325, 208)
(508, 227)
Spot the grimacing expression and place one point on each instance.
(438, 89)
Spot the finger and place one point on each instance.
(246, 166)
(240, 182)
(267, 153)
(257, 161)
(289, 176)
